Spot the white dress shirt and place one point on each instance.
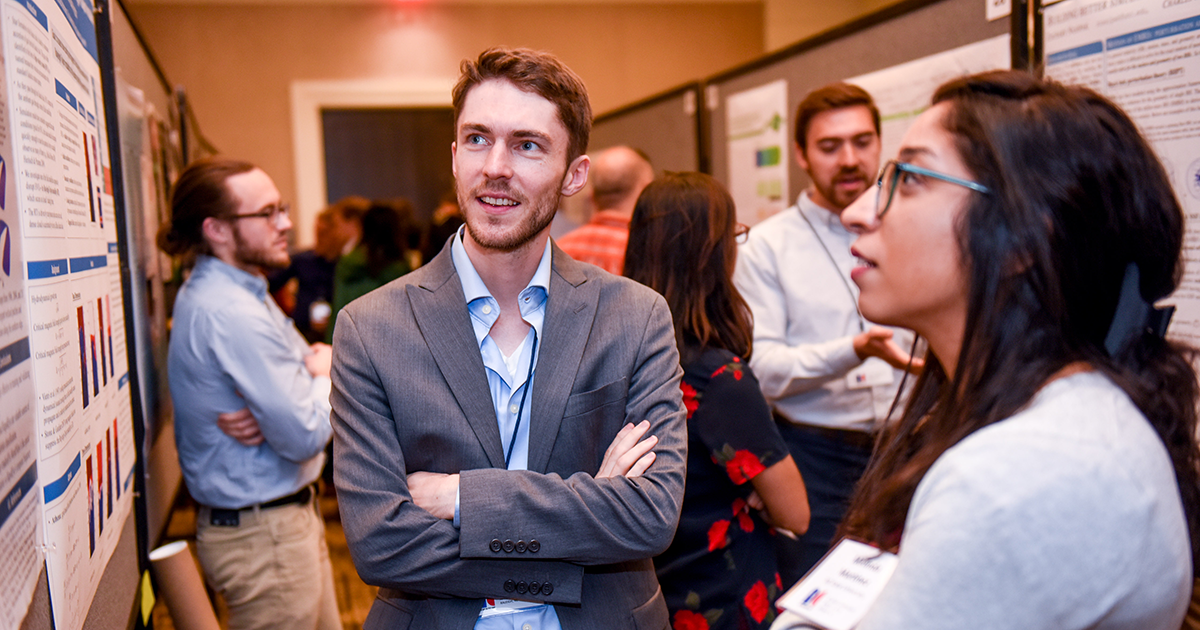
(794, 272)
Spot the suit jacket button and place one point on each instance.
(535, 587)
(521, 546)
(509, 586)
(508, 546)
(547, 588)
(495, 545)
(522, 587)
(534, 546)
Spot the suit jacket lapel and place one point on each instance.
(441, 314)
(570, 310)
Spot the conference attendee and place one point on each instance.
(251, 401)
(1044, 472)
(830, 374)
(313, 270)
(720, 569)
(618, 175)
(483, 472)
(442, 225)
(380, 257)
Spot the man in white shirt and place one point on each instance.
(830, 375)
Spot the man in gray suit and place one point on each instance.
(489, 408)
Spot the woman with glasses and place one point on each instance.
(1044, 473)
(719, 571)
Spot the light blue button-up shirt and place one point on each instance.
(507, 387)
(231, 347)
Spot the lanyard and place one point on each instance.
(862, 326)
(512, 442)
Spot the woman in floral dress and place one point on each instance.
(720, 570)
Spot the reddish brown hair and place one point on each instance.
(198, 194)
(830, 97)
(539, 73)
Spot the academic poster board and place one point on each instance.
(874, 49)
(66, 297)
(1145, 56)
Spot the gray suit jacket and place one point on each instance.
(410, 393)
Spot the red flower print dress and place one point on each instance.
(720, 570)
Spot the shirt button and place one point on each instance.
(526, 627)
(487, 309)
(513, 409)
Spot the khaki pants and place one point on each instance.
(272, 569)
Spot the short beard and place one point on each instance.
(247, 255)
(520, 235)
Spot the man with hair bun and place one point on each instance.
(489, 408)
(251, 402)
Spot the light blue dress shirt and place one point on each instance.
(507, 387)
(231, 347)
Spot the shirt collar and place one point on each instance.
(821, 217)
(251, 282)
(532, 298)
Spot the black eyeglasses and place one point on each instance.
(889, 178)
(272, 213)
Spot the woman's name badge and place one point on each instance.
(836, 594)
(872, 373)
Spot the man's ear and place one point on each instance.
(454, 159)
(577, 174)
(217, 232)
(801, 157)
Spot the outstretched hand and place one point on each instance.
(877, 342)
(626, 456)
(241, 426)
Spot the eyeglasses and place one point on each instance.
(272, 213)
(890, 177)
(741, 233)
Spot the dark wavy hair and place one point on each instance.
(1078, 195)
(198, 194)
(538, 73)
(682, 245)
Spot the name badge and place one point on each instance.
(498, 607)
(836, 594)
(872, 373)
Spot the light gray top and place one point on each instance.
(1066, 515)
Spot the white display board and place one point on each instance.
(902, 92)
(759, 150)
(72, 294)
(1145, 56)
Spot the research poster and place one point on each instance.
(759, 150)
(20, 508)
(62, 191)
(1145, 56)
(902, 92)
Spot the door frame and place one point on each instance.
(308, 140)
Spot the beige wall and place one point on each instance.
(789, 21)
(237, 62)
